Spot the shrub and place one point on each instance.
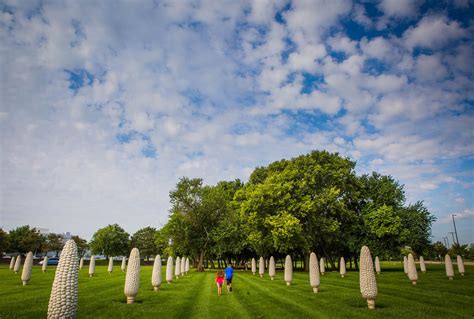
(367, 281)
(271, 268)
(92, 266)
(449, 267)
(156, 274)
(288, 270)
(63, 299)
(412, 269)
(261, 267)
(132, 279)
(314, 279)
(342, 267)
(27, 266)
(169, 270)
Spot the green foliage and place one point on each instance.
(111, 240)
(81, 244)
(4, 241)
(383, 222)
(457, 249)
(54, 242)
(24, 239)
(144, 240)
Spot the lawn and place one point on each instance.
(194, 296)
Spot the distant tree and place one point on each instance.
(144, 240)
(111, 240)
(439, 249)
(54, 242)
(457, 249)
(24, 239)
(4, 241)
(81, 244)
(162, 238)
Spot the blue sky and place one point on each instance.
(106, 104)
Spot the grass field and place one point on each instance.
(194, 296)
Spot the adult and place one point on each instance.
(229, 273)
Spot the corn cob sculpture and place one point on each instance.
(322, 266)
(314, 278)
(422, 264)
(132, 279)
(271, 268)
(92, 266)
(63, 299)
(111, 265)
(124, 264)
(412, 274)
(377, 265)
(342, 267)
(449, 267)
(177, 268)
(45, 264)
(288, 270)
(17, 266)
(261, 267)
(187, 265)
(12, 263)
(169, 270)
(183, 266)
(81, 263)
(460, 265)
(254, 266)
(156, 274)
(367, 281)
(27, 266)
(405, 265)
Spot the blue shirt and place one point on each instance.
(229, 272)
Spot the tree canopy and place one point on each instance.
(111, 240)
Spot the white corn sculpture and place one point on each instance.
(156, 274)
(412, 274)
(183, 266)
(288, 270)
(271, 268)
(322, 266)
(177, 268)
(124, 264)
(377, 265)
(187, 265)
(405, 265)
(254, 266)
(314, 278)
(12, 263)
(16, 268)
(169, 270)
(92, 266)
(422, 264)
(45, 264)
(132, 279)
(460, 265)
(81, 263)
(342, 267)
(111, 265)
(449, 267)
(261, 267)
(367, 281)
(27, 266)
(63, 299)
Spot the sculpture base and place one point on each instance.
(130, 300)
(371, 304)
(316, 290)
(156, 288)
(25, 283)
(413, 282)
(288, 283)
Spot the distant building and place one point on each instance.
(43, 231)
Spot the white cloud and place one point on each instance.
(399, 8)
(464, 214)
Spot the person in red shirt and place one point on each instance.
(219, 282)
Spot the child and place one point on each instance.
(219, 282)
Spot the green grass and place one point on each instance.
(195, 296)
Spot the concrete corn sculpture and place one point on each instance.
(92, 266)
(422, 264)
(261, 267)
(81, 263)
(187, 265)
(27, 266)
(156, 274)
(342, 267)
(12, 263)
(288, 270)
(177, 268)
(377, 265)
(16, 268)
(460, 265)
(322, 266)
(412, 274)
(132, 279)
(271, 268)
(449, 267)
(367, 281)
(45, 264)
(314, 278)
(111, 265)
(405, 265)
(169, 270)
(183, 266)
(63, 299)
(254, 266)
(124, 264)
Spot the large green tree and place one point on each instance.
(110, 241)
(81, 244)
(54, 242)
(4, 241)
(144, 240)
(24, 239)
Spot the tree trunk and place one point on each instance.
(306, 261)
(200, 266)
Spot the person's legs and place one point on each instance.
(219, 289)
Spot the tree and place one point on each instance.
(54, 242)
(81, 244)
(111, 240)
(144, 240)
(24, 239)
(4, 241)
(439, 249)
(457, 249)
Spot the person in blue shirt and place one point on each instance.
(229, 273)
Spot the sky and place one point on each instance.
(106, 104)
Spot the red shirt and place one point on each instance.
(219, 280)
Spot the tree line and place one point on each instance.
(313, 202)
